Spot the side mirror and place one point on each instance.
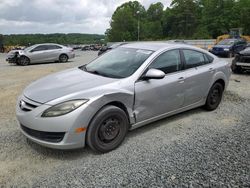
(154, 74)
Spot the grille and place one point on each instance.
(45, 136)
(244, 59)
(27, 106)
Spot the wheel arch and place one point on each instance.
(222, 78)
(63, 54)
(222, 82)
(118, 104)
(121, 106)
(24, 56)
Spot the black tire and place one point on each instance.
(214, 96)
(23, 60)
(235, 69)
(63, 58)
(107, 129)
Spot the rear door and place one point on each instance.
(53, 52)
(156, 97)
(199, 71)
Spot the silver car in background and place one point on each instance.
(128, 87)
(41, 53)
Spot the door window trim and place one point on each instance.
(153, 60)
(204, 55)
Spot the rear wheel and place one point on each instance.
(23, 61)
(214, 96)
(108, 129)
(63, 58)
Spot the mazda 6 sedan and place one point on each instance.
(130, 86)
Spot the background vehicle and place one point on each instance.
(233, 33)
(128, 87)
(41, 53)
(228, 47)
(85, 48)
(241, 61)
(107, 48)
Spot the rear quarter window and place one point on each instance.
(194, 58)
(209, 58)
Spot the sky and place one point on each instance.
(60, 16)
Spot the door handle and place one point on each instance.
(181, 80)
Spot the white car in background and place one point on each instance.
(41, 53)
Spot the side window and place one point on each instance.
(39, 48)
(210, 59)
(168, 62)
(194, 58)
(53, 47)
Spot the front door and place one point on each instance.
(38, 54)
(156, 97)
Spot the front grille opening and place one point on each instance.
(26, 106)
(54, 137)
(245, 60)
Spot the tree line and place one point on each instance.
(184, 19)
(30, 39)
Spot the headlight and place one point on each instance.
(226, 49)
(63, 108)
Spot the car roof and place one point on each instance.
(154, 46)
(35, 45)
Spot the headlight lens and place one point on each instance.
(226, 49)
(63, 108)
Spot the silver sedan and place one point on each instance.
(128, 87)
(41, 53)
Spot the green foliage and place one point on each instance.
(72, 38)
(184, 19)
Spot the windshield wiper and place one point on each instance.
(90, 71)
(98, 73)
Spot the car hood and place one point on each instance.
(246, 51)
(223, 46)
(64, 83)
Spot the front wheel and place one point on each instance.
(108, 129)
(214, 96)
(23, 61)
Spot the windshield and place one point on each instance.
(226, 42)
(118, 63)
(29, 48)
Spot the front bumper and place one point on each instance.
(243, 61)
(43, 130)
(71, 55)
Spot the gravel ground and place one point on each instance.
(193, 149)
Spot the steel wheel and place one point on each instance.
(214, 96)
(108, 129)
